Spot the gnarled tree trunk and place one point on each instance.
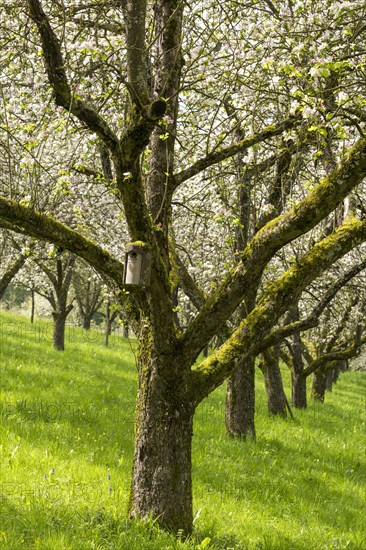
(161, 481)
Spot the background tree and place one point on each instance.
(59, 272)
(88, 293)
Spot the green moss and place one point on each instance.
(141, 244)
(278, 297)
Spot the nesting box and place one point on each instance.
(137, 265)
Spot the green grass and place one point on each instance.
(66, 444)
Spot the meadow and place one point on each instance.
(66, 447)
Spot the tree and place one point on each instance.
(59, 272)
(125, 91)
(110, 316)
(88, 293)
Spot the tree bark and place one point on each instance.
(240, 400)
(161, 481)
(330, 379)
(319, 385)
(59, 324)
(86, 322)
(299, 399)
(276, 398)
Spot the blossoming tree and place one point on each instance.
(142, 88)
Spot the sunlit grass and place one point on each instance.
(66, 455)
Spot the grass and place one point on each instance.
(66, 444)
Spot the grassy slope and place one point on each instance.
(66, 442)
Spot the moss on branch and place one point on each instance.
(25, 220)
(249, 337)
(271, 238)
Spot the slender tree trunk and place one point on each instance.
(336, 373)
(107, 329)
(319, 385)
(59, 324)
(161, 481)
(276, 398)
(33, 304)
(240, 400)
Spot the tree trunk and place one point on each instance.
(108, 324)
(276, 398)
(330, 379)
(336, 373)
(319, 385)
(86, 322)
(161, 481)
(33, 305)
(299, 399)
(59, 323)
(240, 400)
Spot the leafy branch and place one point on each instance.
(55, 67)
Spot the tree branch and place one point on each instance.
(22, 219)
(247, 339)
(135, 17)
(311, 320)
(350, 352)
(189, 286)
(324, 198)
(218, 156)
(55, 67)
